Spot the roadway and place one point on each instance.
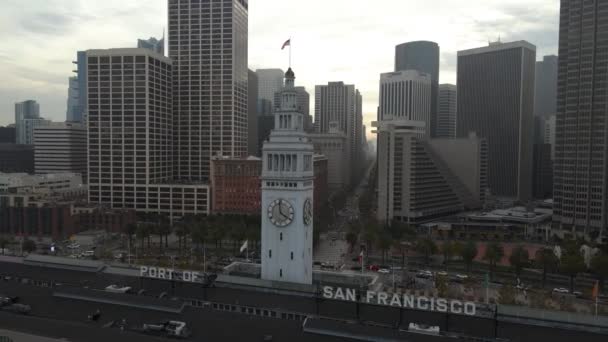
(208, 322)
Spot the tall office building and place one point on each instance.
(252, 114)
(338, 109)
(77, 92)
(446, 111)
(27, 118)
(496, 100)
(29, 109)
(545, 99)
(73, 102)
(549, 134)
(61, 148)
(131, 130)
(270, 82)
(153, 44)
(580, 193)
(422, 56)
(208, 46)
(406, 95)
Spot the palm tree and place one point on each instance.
(427, 248)
(3, 243)
(384, 244)
(547, 260)
(599, 266)
(572, 264)
(468, 253)
(352, 238)
(519, 259)
(142, 232)
(494, 254)
(130, 229)
(448, 251)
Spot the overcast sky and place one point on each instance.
(333, 40)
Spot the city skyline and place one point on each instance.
(53, 31)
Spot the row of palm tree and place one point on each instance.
(401, 237)
(196, 231)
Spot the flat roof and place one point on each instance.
(498, 46)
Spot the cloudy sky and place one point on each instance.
(333, 40)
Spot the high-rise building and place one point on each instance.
(542, 182)
(496, 100)
(580, 193)
(288, 195)
(29, 109)
(338, 109)
(545, 99)
(422, 179)
(208, 46)
(406, 95)
(424, 57)
(77, 93)
(153, 44)
(333, 145)
(61, 148)
(8, 134)
(549, 134)
(252, 115)
(446, 111)
(73, 103)
(270, 81)
(131, 145)
(27, 117)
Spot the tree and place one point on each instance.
(352, 238)
(427, 248)
(370, 235)
(519, 259)
(3, 243)
(384, 244)
(506, 294)
(142, 232)
(599, 266)
(448, 250)
(130, 230)
(468, 252)
(547, 261)
(29, 246)
(494, 254)
(572, 264)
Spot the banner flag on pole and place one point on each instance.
(244, 246)
(286, 44)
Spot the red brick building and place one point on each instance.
(236, 185)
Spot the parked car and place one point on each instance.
(384, 271)
(423, 329)
(561, 290)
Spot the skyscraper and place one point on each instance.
(446, 111)
(338, 109)
(208, 46)
(252, 114)
(153, 44)
(545, 99)
(422, 56)
(406, 95)
(131, 130)
(73, 103)
(581, 174)
(27, 118)
(77, 92)
(496, 100)
(61, 148)
(270, 82)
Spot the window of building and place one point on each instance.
(291, 255)
(281, 236)
(270, 253)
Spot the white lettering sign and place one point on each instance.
(403, 301)
(170, 274)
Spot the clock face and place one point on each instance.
(308, 212)
(280, 213)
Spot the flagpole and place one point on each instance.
(290, 52)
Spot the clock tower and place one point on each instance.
(287, 194)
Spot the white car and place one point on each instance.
(384, 271)
(462, 276)
(442, 273)
(561, 290)
(423, 329)
(118, 289)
